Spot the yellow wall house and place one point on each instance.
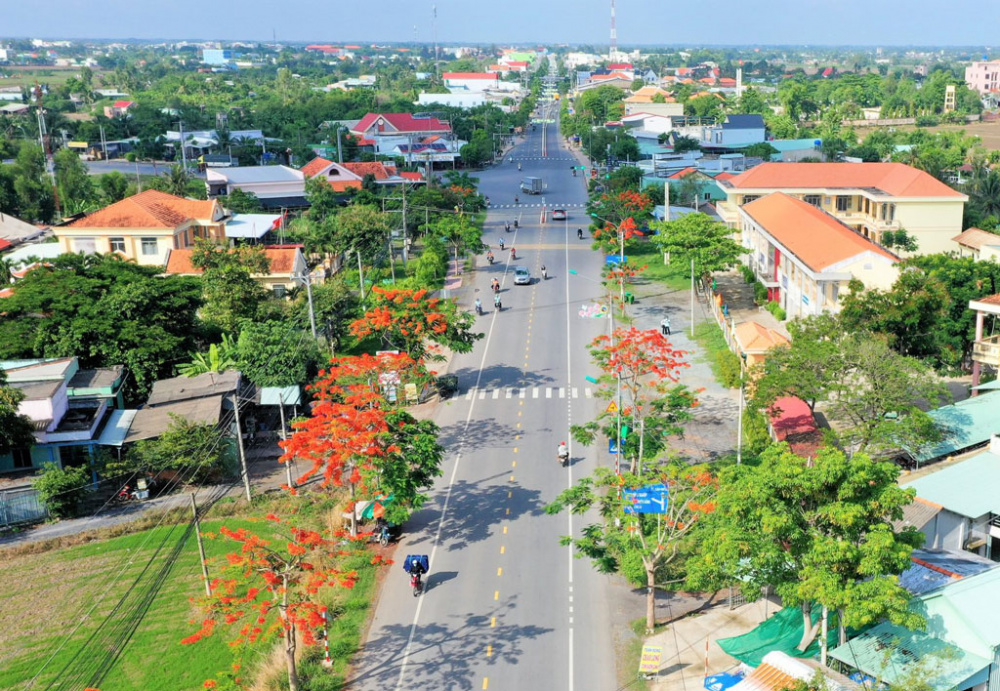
(753, 341)
(871, 198)
(806, 257)
(145, 227)
(287, 268)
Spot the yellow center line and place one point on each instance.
(489, 651)
(515, 449)
(511, 479)
(513, 464)
(508, 509)
(493, 622)
(505, 530)
(499, 571)
(519, 425)
(503, 549)
(486, 683)
(496, 595)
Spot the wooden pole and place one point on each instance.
(201, 547)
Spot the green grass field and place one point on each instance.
(48, 594)
(673, 276)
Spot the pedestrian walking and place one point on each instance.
(665, 326)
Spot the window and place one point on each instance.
(118, 245)
(279, 291)
(814, 199)
(747, 198)
(74, 455)
(867, 206)
(22, 458)
(884, 210)
(843, 203)
(834, 292)
(149, 246)
(892, 212)
(85, 245)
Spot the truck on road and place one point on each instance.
(532, 185)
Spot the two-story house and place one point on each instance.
(275, 186)
(383, 132)
(737, 132)
(872, 198)
(73, 411)
(806, 257)
(145, 227)
(287, 268)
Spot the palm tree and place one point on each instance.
(220, 357)
(177, 180)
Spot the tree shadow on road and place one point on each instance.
(475, 512)
(498, 376)
(442, 655)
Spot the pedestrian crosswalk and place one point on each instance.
(495, 394)
(551, 205)
(544, 158)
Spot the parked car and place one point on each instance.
(559, 215)
(522, 277)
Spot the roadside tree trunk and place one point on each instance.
(290, 641)
(650, 595)
(809, 630)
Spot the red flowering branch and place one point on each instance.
(269, 590)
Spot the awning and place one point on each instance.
(783, 631)
(117, 428)
(280, 395)
(889, 652)
(988, 386)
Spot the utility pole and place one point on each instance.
(201, 547)
(239, 446)
(104, 144)
(361, 277)
(307, 279)
(739, 428)
(692, 297)
(284, 436)
(184, 163)
(340, 152)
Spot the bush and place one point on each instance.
(748, 274)
(63, 489)
(727, 368)
(926, 121)
(774, 308)
(759, 293)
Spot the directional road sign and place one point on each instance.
(651, 499)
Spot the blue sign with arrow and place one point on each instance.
(613, 259)
(651, 499)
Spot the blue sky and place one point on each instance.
(684, 22)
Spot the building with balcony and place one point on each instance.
(871, 198)
(805, 257)
(145, 227)
(985, 349)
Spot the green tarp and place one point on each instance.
(781, 632)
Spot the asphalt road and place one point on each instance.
(507, 607)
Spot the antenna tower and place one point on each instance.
(614, 34)
(434, 8)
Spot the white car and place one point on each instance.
(559, 215)
(522, 277)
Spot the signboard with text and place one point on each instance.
(649, 663)
(651, 499)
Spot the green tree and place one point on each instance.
(114, 186)
(187, 447)
(231, 292)
(817, 531)
(479, 150)
(335, 306)
(75, 185)
(752, 102)
(460, 233)
(221, 357)
(806, 369)
(361, 229)
(761, 150)
(15, 429)
(696, 236)
(412, 461)
(273, 353)
(107, 312)
(176, 181)
(34, 190)
(644, 548)
(241, 202)
(63, 489)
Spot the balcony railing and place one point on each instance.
(987, 351)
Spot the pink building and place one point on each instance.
(983, 77)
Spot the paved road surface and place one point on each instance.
(506, 606)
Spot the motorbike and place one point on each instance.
(489, 258)
(545, 274)
(506, 226)
(384, 532)
(127, 494)
(515, 224)
(579, 233)
(513, 254)
(563, 458)
(416, 583)
(519, 166)
(479, 308)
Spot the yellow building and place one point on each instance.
(805, 257)
(871, 198)
(145, 227)
(753, 341)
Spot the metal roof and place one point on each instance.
(965, 424)
(188, 388)
(116, 428)
(280, 395)
(933, 568)
(248, 174)
(251, 225)
(888, 653)
(968, 488)
(149, 423)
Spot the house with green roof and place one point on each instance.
(965, 425)
(966, 492)
(959, 648)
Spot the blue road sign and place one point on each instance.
(652, 499)
(612, 446)
(613, 259)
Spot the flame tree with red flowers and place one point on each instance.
(644, 548)
(270, 588)
(356, 436)
(414, 323)
(654, 405)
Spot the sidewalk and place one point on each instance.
(682, 664)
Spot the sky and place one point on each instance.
(663, 22)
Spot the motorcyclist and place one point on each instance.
(579, 233)
(517, 199)
(545, 273)
(479, 306)
(506, 226)
(489, 256)
(519, 166)
(496, 302)
(562, 453)
(495, 286)
(513, 253)
(515, 224)
(501, 243)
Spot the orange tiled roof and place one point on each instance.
(149, 209)
(281, 258)
(754, 337)
(768, 678)
(370, 168)
(315, 166)
(809, 233)
(897, 179)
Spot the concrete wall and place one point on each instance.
(933, 224)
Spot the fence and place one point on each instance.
(19, 506)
